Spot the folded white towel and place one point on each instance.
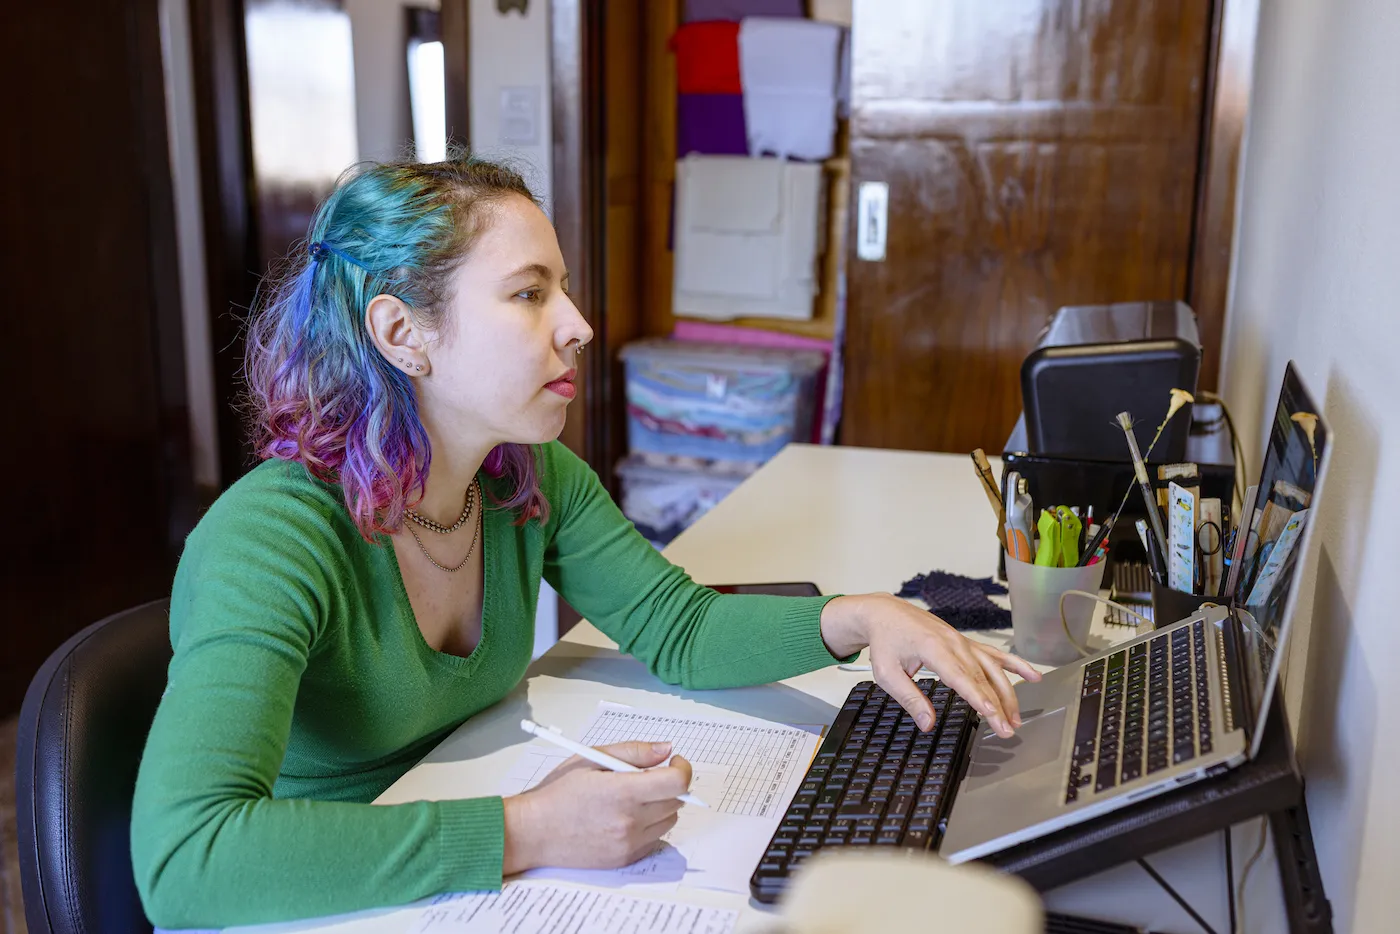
(747, 236)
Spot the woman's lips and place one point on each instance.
(564, 385)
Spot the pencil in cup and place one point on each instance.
(612, 764)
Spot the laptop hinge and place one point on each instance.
(1234, 677)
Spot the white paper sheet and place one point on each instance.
(539, 908)
(747, 773)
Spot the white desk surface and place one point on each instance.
(850, 520)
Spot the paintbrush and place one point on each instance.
(989, 486)
(1179, 398)
(1154, 518)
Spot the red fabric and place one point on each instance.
(707, 57)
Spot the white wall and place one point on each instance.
(510, 52)
(1317, 279)
(384, 126)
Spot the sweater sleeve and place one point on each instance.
(685, 633)
(210, 844)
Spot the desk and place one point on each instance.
(851, 520)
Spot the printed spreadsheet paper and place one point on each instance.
(747, 772)
(541, 908)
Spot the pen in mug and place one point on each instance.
(549, 734)
(1098, 538)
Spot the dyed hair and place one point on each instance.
(320, 392)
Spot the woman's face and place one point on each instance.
(503, 365)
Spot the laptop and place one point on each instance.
(1174, 705)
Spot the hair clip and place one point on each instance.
(321, 249)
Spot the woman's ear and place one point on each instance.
(396, 335)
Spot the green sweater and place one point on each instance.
(301, 688)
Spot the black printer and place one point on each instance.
(1090, 363)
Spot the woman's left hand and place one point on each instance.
(904, 638)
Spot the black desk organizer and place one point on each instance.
(1268, 785)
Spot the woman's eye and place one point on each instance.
(529, 295)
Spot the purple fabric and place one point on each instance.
(712, 124)
(699, 10)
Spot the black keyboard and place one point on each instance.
(1140, 710)
(876, 781)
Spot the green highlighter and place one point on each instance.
(1070, 528)
(1047, 553)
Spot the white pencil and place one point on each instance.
(592, 755)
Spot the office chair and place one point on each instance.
(81, 733)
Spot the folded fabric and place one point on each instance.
(959, 601)
(790, 71)
(711, 124)
(747, 236)
(789, 55)
(707, 58)
(696, 10)
(790, 124)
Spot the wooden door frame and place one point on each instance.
(1229, 77)
(456, 60)
(576, 115)
(220, 65)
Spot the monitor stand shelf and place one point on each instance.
(1270, 785)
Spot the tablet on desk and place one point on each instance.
(791, 589)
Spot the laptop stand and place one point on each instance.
(1269, 785)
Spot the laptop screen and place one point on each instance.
(1286, 499)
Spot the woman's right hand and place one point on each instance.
(584, 817)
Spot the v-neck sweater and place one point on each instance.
(301, 688)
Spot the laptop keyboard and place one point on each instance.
(876, 781)
(1141, 710)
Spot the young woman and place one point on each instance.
(372, 584)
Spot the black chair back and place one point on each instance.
(81, 734)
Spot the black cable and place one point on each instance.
(1179, 900)
(1230, 879)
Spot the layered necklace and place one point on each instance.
(469, 508)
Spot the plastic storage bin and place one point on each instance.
(663, 496)
(718, 401)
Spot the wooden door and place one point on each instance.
(98, 479)
(1038, 153)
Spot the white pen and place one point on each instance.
(592, 755)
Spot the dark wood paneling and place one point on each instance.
(624, 215)
(1039, 154)
(1230, 75)
(662, 17)
(98, 471)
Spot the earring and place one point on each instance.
(417, 368)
